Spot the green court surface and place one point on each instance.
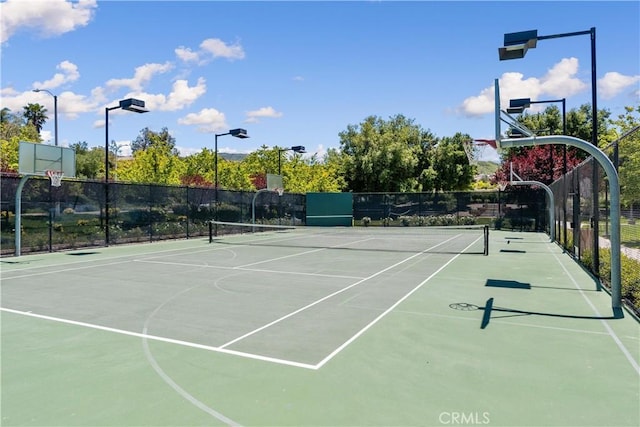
(328, 327)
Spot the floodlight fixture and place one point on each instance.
(238, 133)
(132, 104)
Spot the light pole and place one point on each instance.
(130, 104)
(296, 149)
(238, 133)
(515, 47)
(55, 112)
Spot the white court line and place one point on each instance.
(182, 392)
(305, 252)
(37, 267)
(65, 270)
(388, 310)
(256, 270)
(222, 349)
(611, 332)
(162, 339)
(248, 334)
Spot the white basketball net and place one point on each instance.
(280, 191)
(55, 177)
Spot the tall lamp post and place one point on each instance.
(515, 47)
(130, 104)
(517, 106)
(296, 149)
(55, 112)
(238, 133)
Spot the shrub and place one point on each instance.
(629, 275)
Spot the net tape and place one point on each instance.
(437, 239)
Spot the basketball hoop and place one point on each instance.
(279, 190)
(55, 177)
(502, 185)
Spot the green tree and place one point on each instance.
(155, 159)
(199, 169)
(5, 115)
(148, 138)
(450, 168)
(157, 164)
(381, 155)
(36, 115)
(629, 155)
(89, 162)
(13, 130)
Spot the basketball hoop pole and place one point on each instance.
(614, 185)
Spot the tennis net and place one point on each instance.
(457, 239)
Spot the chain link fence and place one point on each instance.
(74, 216)
(576, 226)
(521, 209)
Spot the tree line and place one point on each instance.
(376, 155)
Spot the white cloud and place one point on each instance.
(182, 95)
(220, 49)
(208, 120)
(186, 54)
(558, 82)
(614, 83)
(49, 18)
(210, 49)
(69, 74)
(187, 151)
(142, 76)
(71, 105)
(255, 115)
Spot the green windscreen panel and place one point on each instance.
(330, 209)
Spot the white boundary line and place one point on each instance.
(305, 252)
(161, 339)
(256, 270)
(610, 331)
(37, 267)
(222, 349)
(293, 313)
(43, 273)
(388, 310)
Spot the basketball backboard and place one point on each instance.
(274, 182)
(515, 128)
(36, 159)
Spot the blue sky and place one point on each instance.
(298, 73)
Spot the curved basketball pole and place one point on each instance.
(552, 208)
(18, 242)
(614, 188)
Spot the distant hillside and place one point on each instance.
(487, 168)
(235, 157)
